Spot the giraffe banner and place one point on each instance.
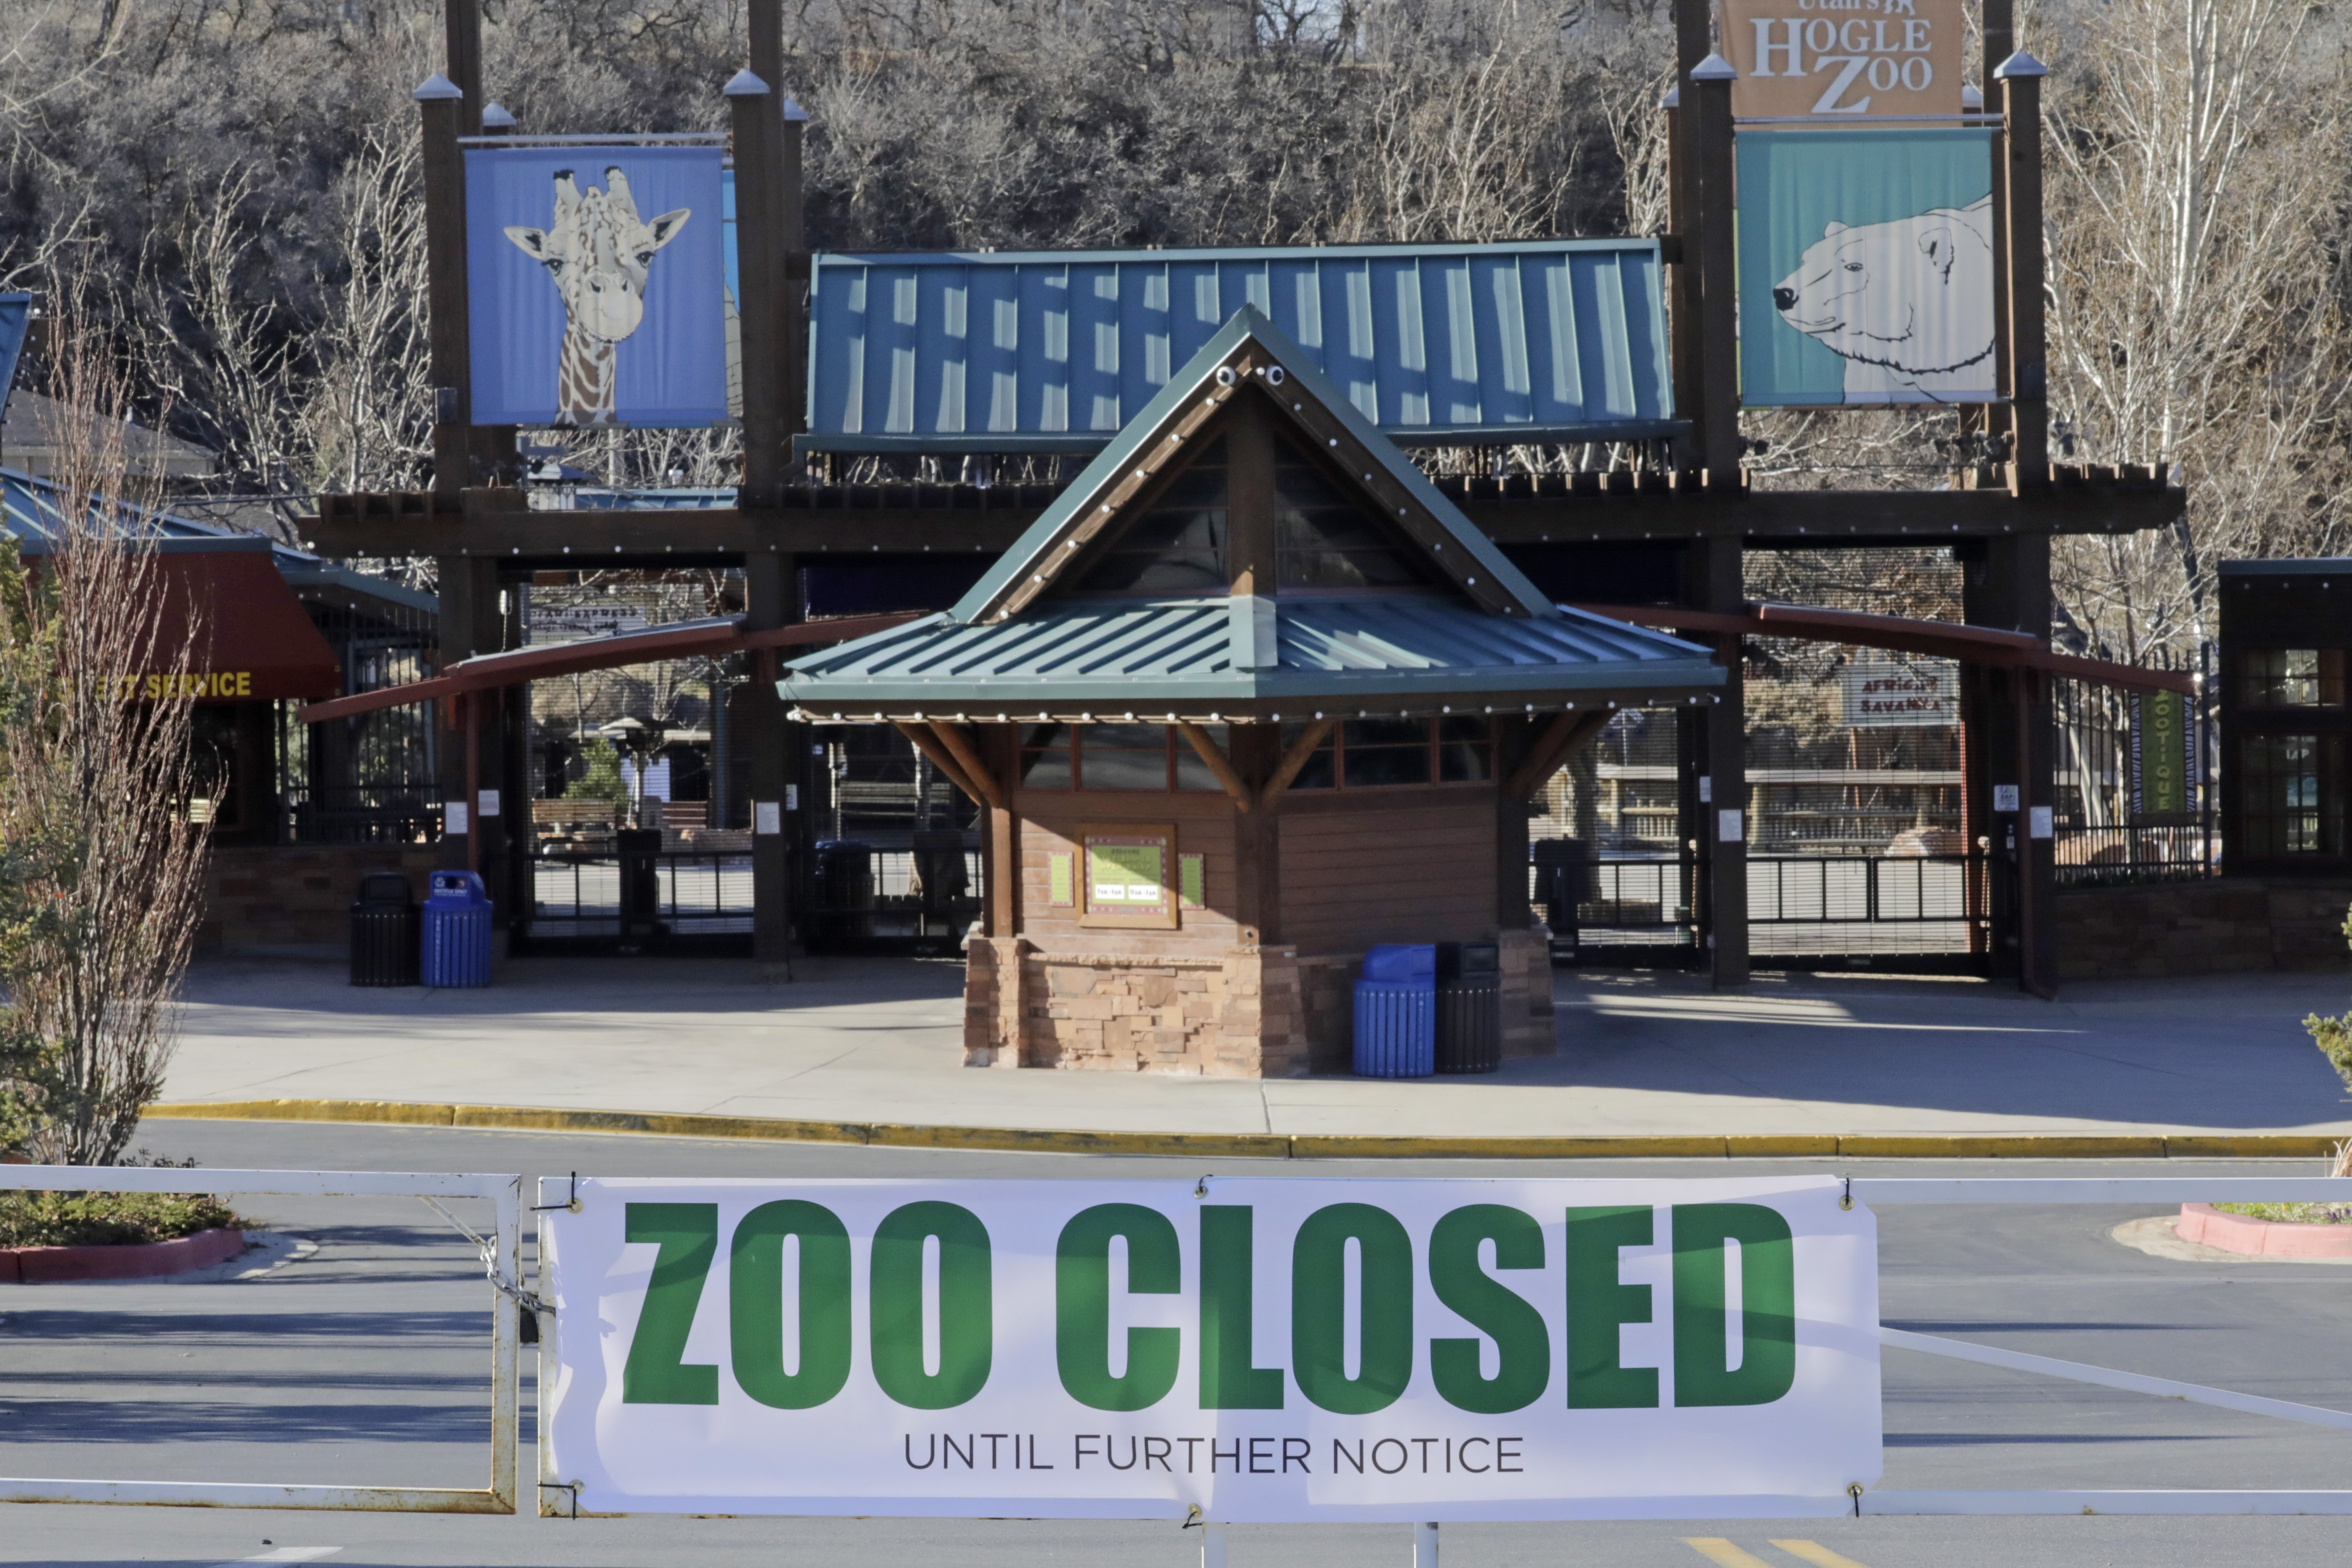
(1258, 1350)
(596, 285)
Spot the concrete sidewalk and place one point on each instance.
(868, 1040)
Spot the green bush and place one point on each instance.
(110, 1219)
(601, 777)
(2333, 1036)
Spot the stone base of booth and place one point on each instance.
(1226, 1014)
(1242, 1013)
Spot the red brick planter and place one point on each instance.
(63, 1265)
(2261, 1237)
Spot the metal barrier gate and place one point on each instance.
(498, 1251)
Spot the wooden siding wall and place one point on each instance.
(1420, 872)
(1049, 827)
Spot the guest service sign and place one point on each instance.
(1263, 1350)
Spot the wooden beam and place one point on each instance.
(443, 119)
(2028, 375)
(1826, 517)
(1561, 739)
(1294, 759)
(752, 114)
(1718, 377)
(941, 759)
(1216, 761)
(974, 766)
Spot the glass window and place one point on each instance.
(1045, 756)
(2291, 678)
(1179, 545)
(2291, 795)
(1323, 540)
(1192, 770)
(1319, 772)
(1123, 756)
(1464, 755)
(1376, 752)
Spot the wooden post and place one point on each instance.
(759, 242)
(1000, 750)
(496, 460)
(2000, 41)
(793, 364)
(1257, 759)
(1718, 408)
(2029, 377)
(443, 114)
(1682, 275)
(2006, 583)
(771, 599)
(1519, 742)
(1713, 581)
(1249, 503)
(461, 32)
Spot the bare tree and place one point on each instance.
(2196, 242)
(101, 863)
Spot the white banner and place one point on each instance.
(1265, 1350)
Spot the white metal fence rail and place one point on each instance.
(500, 1250)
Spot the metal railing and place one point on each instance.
(1928, 905)
(360, 814)
(499, 1251)
(2113, 857)
(591, 893)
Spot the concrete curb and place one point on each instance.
(1275, 1145)
(2243, 1233)
(65, 1265)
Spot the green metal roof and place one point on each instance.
(1384, 651)
(1038, 549)
(1055, 351)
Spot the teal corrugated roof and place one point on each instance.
(1108, 656)
(1038, 546)
(1056, 351)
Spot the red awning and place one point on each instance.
(255, 640)
(1943, 639)
(682, 640)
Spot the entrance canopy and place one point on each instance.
(1250, 548)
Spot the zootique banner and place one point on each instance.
(1865, 266)
(595, 285)
(1260, 1350)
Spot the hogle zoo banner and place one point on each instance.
(1865, 266)
(1265, 1350)
(596, 286)
(1845, 58)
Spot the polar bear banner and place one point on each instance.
(1908, 304)
(1865, 266)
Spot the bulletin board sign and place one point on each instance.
(1129, 876)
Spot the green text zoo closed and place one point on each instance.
(1713, 1363)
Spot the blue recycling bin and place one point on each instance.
(456, 950)
(1396, 1012)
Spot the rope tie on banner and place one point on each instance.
(1846, 1199)
(571, 1204)
(1853, 1491)
(570, 1487)
(1193, 1519)
(489, 1251)
(1203, 1190)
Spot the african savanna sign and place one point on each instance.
(1844, 59)
(1263, 1350)
(1889, 693)
(597, 285)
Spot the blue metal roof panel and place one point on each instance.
(1109, 655)
(1540, 340)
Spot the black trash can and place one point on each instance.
(1469, 1006)
(640, 853)
(844, 891)
(1563, 881)
(385, 932)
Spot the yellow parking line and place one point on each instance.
(1819, 1556)
(1721, 1553)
